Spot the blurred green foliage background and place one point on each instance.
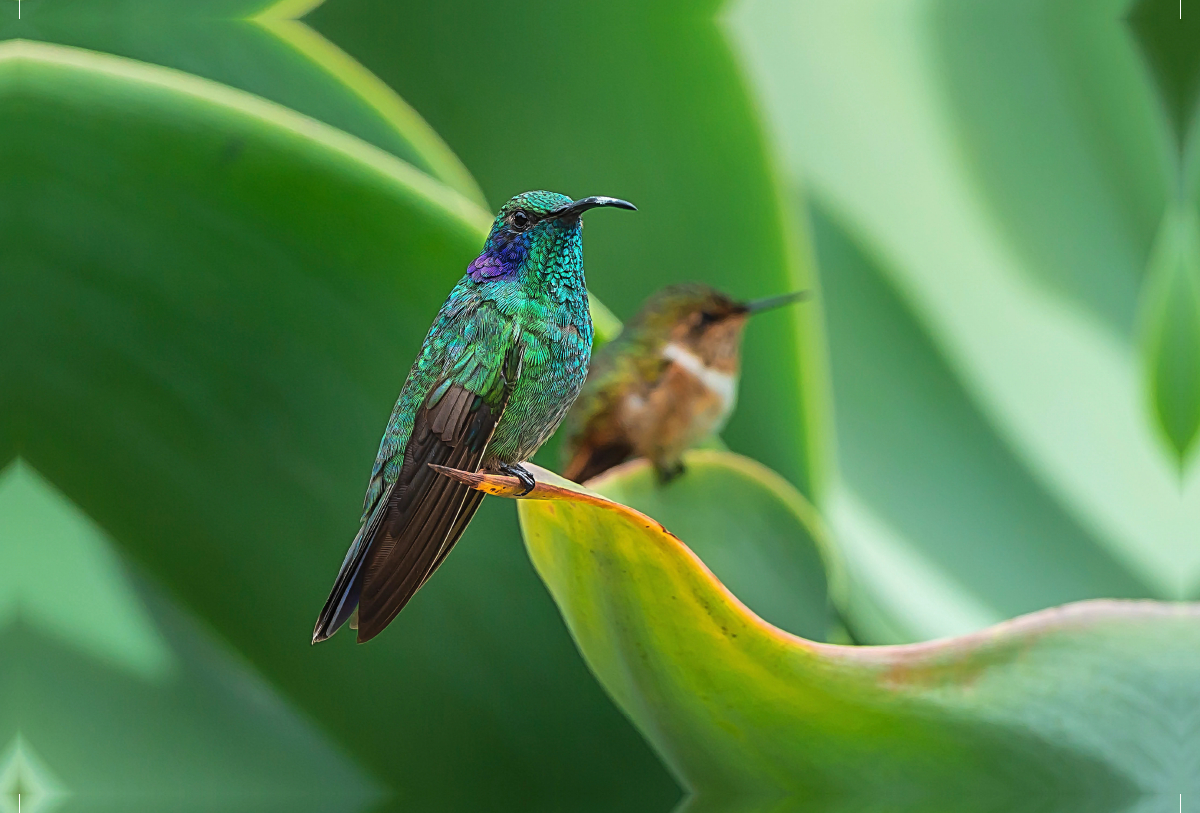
(225, 227)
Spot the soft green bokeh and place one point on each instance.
(78, 594)
(910, 437)
(988, 181)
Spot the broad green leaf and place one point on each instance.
(748, 525)
(1085, 707)
(163, 717)
(208, 305)
(1173, 342)
(1167, 40)
(943, 528)
(644, 102)
(899, 150)
(211, 737)
(251, 45)
(78, 593)
(1063, 138)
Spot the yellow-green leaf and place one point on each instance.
(749, 525)
(1084, 707)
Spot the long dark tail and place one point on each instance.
(347, 587)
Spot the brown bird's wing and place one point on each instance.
(474, 498)
(425, 512)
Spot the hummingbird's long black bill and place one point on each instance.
(772, 302)
(578, 207)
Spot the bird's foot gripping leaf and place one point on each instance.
(522, 474)
(667, 472)
(513, 485)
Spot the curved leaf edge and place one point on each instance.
(808, 324)
(1169, 292)
(434, 193)
(283, 21)
(836, 575)
(711, 685)
(429, 191)
(1072, 615)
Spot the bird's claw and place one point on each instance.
(667, 473)
(522, 474)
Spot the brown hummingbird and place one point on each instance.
(668, 381)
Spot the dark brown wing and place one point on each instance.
(426, 513)
(460, 525)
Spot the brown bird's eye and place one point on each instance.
(520, 220)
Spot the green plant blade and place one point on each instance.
(1069, 709)
(1063, 138)
(1173, 341)
(210, 738)
(128, 10)
(1165, 37)
(645, 103)
(162, 717)
(748, 524)
(254, 47)
(208, 305)
(77, 594)
(943, 528)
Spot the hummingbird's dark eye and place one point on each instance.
(707, 318)
(519, 220)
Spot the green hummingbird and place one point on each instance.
(501, 365)
(668, 381)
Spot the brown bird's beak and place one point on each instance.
(578, 207)
(772, 302)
